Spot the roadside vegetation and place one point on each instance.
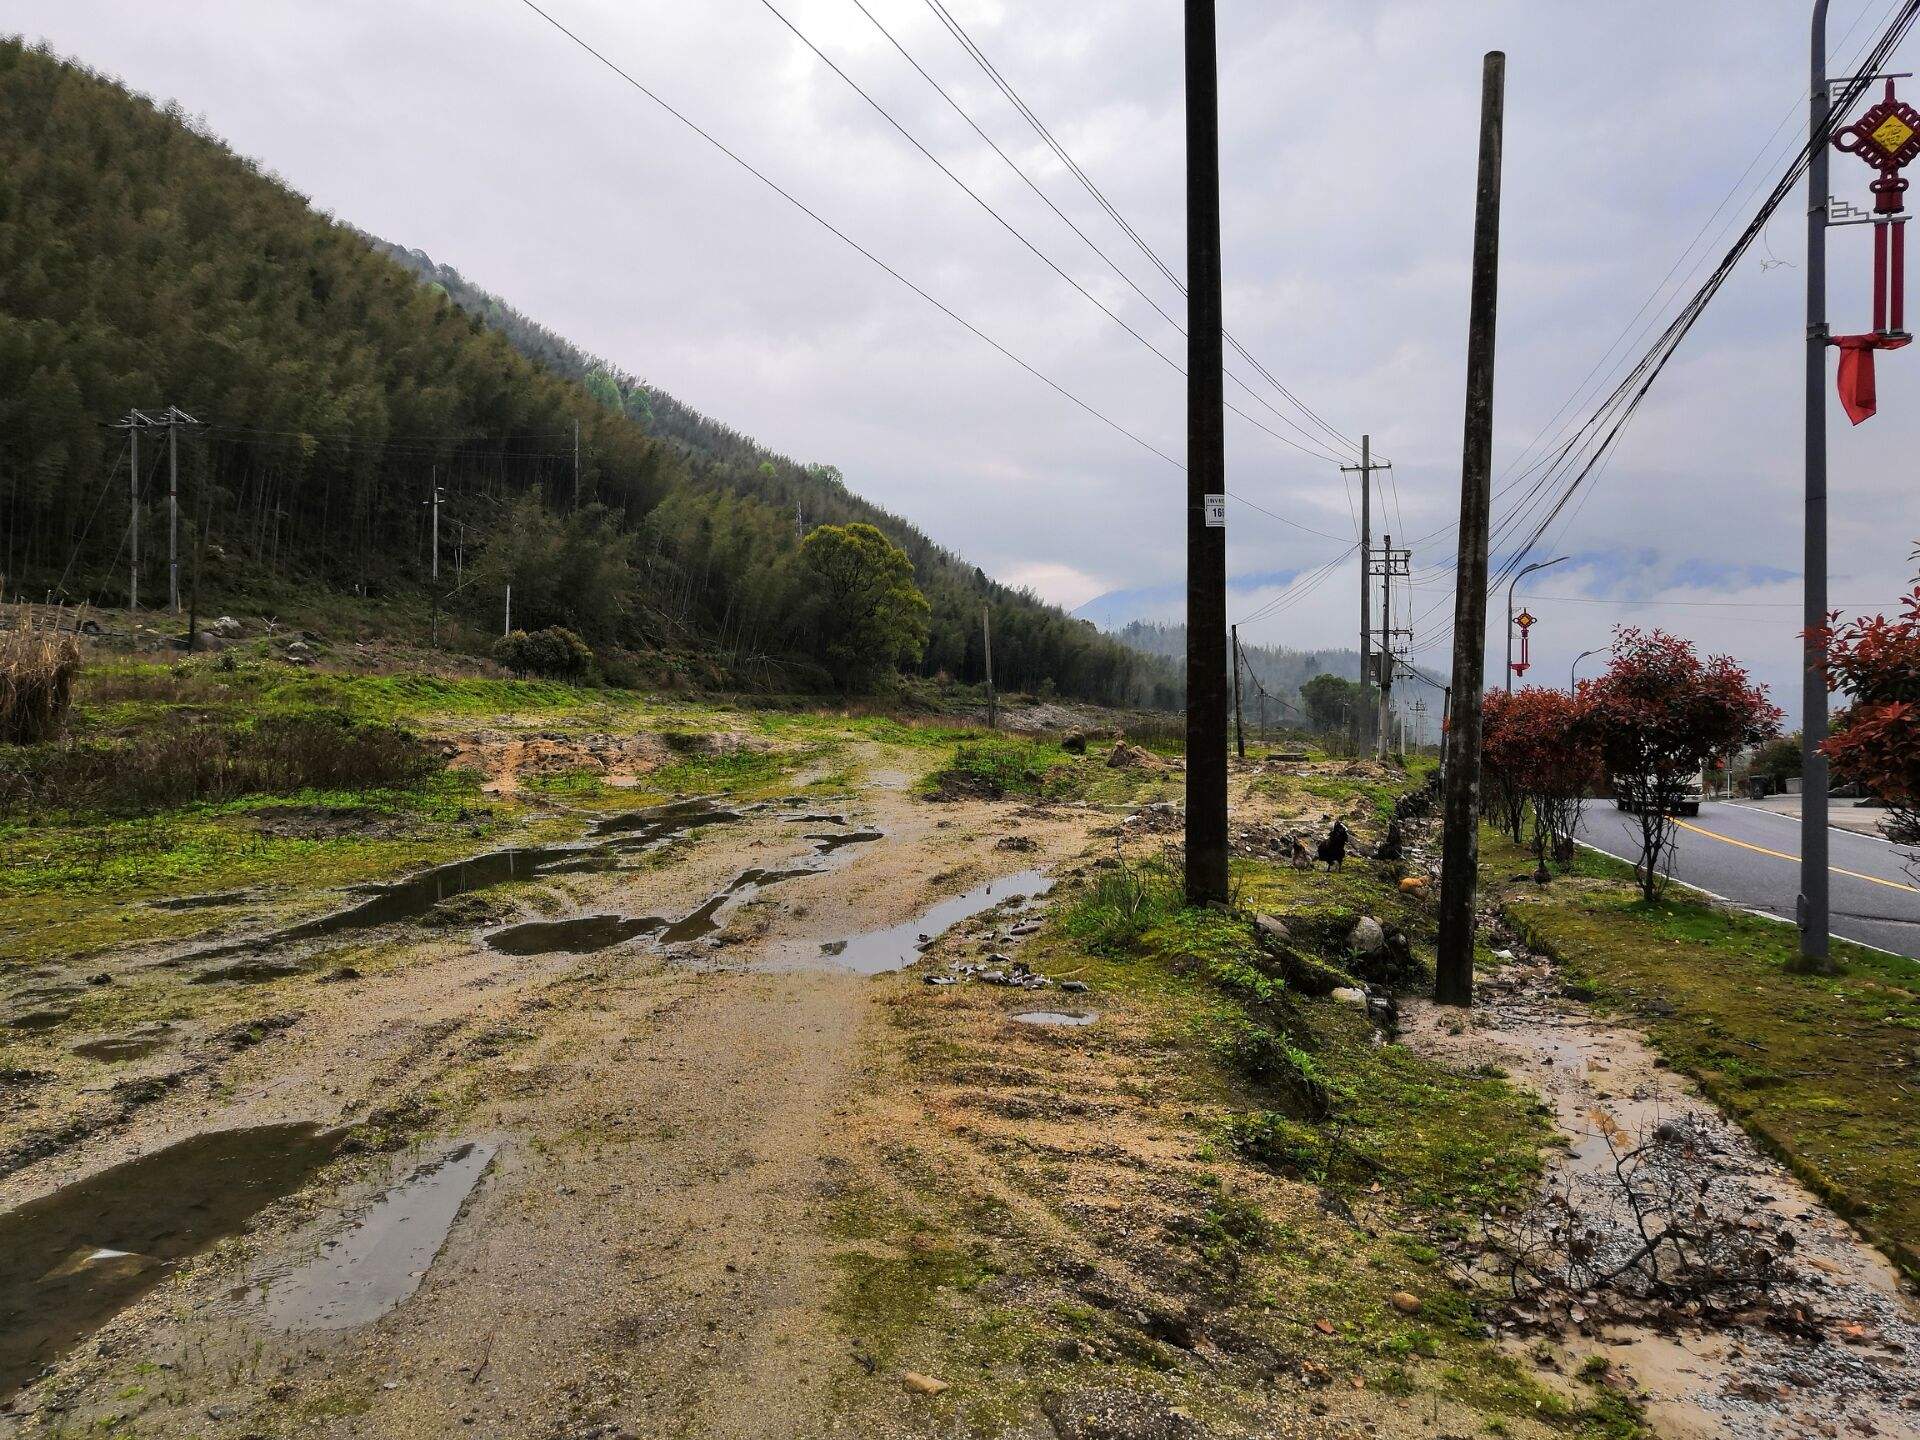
(1304, 1182)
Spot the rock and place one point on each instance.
(1128, 757)
(1074, 743)
(923, 1384)
(941, 980)
(1274, 926)
(101, 979)
(225, 625)
(1406, 1302)
(1367, 937)
(1074, 987)
(1347, 995)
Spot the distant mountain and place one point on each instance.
(1279, 670)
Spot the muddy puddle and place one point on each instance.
(114, 1049)
(412, 898)
(360, 1273)
(900, 945)
(72, 1260)
(1859, 1367)
(584, 935)
(1056, 1018)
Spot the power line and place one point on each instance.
(979, 57)
(850, 242)
(1046, 200)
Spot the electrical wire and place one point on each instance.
(849, 241)
(1013, 165)
(979, 57)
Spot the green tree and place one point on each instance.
(1329, 701)
(872, 616)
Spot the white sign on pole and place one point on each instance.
(1216, 512)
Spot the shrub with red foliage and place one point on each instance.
(1658, 715)
(1876, 739)
(1539, 750)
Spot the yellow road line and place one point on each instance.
(1782, 855)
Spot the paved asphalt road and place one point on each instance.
(1751, 857)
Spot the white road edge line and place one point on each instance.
(1794, 821)
(1748, 909)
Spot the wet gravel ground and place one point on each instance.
(1856, 1374)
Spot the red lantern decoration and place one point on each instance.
(1526, 622)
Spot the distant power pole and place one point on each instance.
(1812, 904)
(1239, 728)
(133, 423)
(1206, 860)
(576, 464)
(986, 633)
(434, 504)
(1365, 469)
(1386, 648)
(1453, 970)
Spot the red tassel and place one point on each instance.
(1858, 395)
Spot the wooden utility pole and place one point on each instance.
(1461, 792)
(986, 633)
(1239, 729)
(1206, 860)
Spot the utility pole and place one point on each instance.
(173, 510)
(576, 464)
(1453, 969)
(1365, 470)
(1239, 728)
(1386, 648)
(507, 629)
(1206, 860)
(434, 503)
(133, 423)
(1811, 911)
(986, 632)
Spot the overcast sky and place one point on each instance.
(476, 132)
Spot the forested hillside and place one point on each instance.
(144, 265)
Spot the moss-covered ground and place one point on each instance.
(1223, 1164)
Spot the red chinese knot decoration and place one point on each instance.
(1886, 138)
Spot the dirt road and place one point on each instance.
(667, 1119)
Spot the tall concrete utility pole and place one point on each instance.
(1811, 911)
(1460, 817)
(1386, 648)
(1363, 711)
(576, 464)
(1206, 876)
(1365, 717)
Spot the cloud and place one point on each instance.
(481, 136)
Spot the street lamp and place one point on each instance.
(1537, 565)
(1572, 684)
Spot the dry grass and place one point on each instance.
(37, 669)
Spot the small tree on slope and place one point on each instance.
(1658, 715)
(1876, 739)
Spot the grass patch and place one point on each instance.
(1822, 1070)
